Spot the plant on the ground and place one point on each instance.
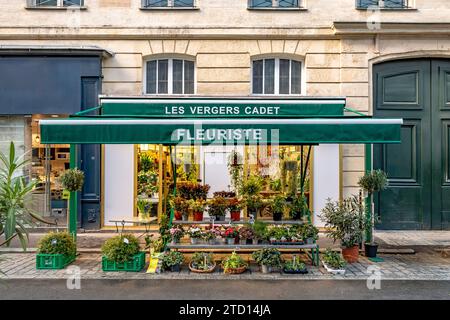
(231, 232)
(195, 232)
(294, 264)
(176, 232)
(309, 231)
(259, 229)
(202, 261)
(235, 169)
(234, 261)
(344, 220)
(217, 206)
(57, 243)
(246, 233)
(268, 257)
(171, 259)
(121, 248)
(72, 179)
(14, 190)
(333, 259)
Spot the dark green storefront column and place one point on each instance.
(368, 199)
(73, 200)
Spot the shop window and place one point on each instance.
(276, 76)
(384, 4)
(54, 3)
(169, 76)
(148, 4)
(274, 4)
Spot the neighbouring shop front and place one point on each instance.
(153, 147)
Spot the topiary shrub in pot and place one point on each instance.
(267, 258)
(55, 251)
(172, 260)
(346, 224)
(72, 179)
(122, 253)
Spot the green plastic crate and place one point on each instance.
(53, 261)
(135, 265)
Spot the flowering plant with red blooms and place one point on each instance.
(231, 233)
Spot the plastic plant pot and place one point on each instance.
(370, 250)
(351, 254)
(235, 216)
(198, 216)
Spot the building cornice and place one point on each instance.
(342, 28)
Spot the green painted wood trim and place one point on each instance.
(73, 200)
(368, 199)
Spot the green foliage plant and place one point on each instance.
(121, 248)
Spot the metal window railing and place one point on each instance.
(257, 4)
(147, 4)
(387, 4)
(55, 3)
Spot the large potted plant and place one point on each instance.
(372, 182)
(217, 208)
(234, 264)
(278, 205)
(267, 258)
(346, 224)
(202, 262)
(197, 207)
(55, 251)
(234, 207)
(172, 260)
(122, 253)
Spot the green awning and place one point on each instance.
(103, 130)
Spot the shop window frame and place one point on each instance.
(170, 59)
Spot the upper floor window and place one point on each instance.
(169, 76)
(168, 3)
(276, 76)
(387, 4)
(256, 4)
(55, 3)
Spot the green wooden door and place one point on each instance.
(418, 169)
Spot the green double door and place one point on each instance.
(418, 196)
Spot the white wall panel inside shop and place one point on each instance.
(326, 177)
(119, 182)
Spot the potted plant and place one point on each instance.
(333, 262)
(372, 182)
(346, 224)
(217, 207)
(202, 262)
(310, 233)
(144, 208)
(234, 206)
(294, 266)
(195, 233)
(246, 235)
(55, 251)
(235, 169)
(176, 232)
(267, 258)
(197, 207)
(172, 260)
(209, 236)
(225, 194)
(72, 179)
(259, 231)
(278, 204)
(230, 234)
(122, 253)
(298, 207)
(234, 264)
(181, 208)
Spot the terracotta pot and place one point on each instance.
(351, 254)
(178, 215)
(198, 216)
(235, 216)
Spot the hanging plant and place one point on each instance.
(235, 169)
(72, 179)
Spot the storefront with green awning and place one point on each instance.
(148, 142)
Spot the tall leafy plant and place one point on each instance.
(14, 189)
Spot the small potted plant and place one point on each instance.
(210, 236)
(202, 262)
(372, 182)
(172, 260)
(55, 251)
(246, 235)
(181, 208)
(346, 224)
(197, 207)
(278, 204)
(253, 204)
(259, 231)
(333, 262)
(122, 253)
(176, 233)
(298, 207)
(294, 266)
(310, 233)
(230, 234)
(72, 179)
(217, 208)
(235, 206)
(234, 264)
(144, 208)
(195, 233)
(267, 258)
